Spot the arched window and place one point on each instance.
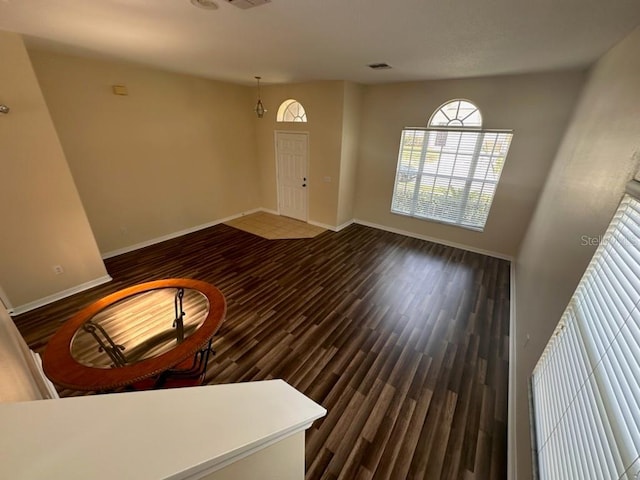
(291, 111)
(449, 171)
(457, 113)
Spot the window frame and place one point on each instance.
(284, 109)
(441, 109)
(455, 210)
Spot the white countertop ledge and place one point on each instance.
(172, 434)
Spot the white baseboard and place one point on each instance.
(512, 444)
(461, 246)
(344, 225)
(268, 210)
(322, 225)
(41, 302)
(180, 233)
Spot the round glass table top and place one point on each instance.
(139, 327)
(135, 333)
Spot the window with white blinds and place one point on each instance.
(586, 385)
(449, 171)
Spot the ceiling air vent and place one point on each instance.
(244, 4)
(206, 4)
(379, 66)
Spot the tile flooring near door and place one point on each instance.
(403, 341)
(274, 227)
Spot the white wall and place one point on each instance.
(537, 107)
(43, 220)
(351, 118)
(283, 460)
(323, 103)
(176, 153)
(598, 155)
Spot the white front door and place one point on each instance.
(292, 158)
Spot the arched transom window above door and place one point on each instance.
(291, 111)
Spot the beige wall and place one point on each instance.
(537, 107)
(176, 153)
(44, 223)
(599, 154)
(283, 460)
(323, 103)
(351, 117)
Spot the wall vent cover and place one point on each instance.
(244, 4)
(379, 66)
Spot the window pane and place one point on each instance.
(469, 114)
(425, 193)
(479, 203)
(439, 119)
(449, 176)
(473, 120)
(403, 196)
(457, 113)
(431, 161)
(291, 111)
(482, 167)
(446, 164)
(463, 166)
(451, 109)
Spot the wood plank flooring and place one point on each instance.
(405, 342)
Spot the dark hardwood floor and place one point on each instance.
(405, 342)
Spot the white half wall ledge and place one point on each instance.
(175, 434)
(41, 302)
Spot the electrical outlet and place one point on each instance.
(58, 270)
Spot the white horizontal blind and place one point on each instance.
(449, 175)
(586, 385)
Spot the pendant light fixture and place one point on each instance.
(260, 110)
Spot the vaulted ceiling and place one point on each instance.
(300, 40)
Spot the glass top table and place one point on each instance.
(133, 334)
